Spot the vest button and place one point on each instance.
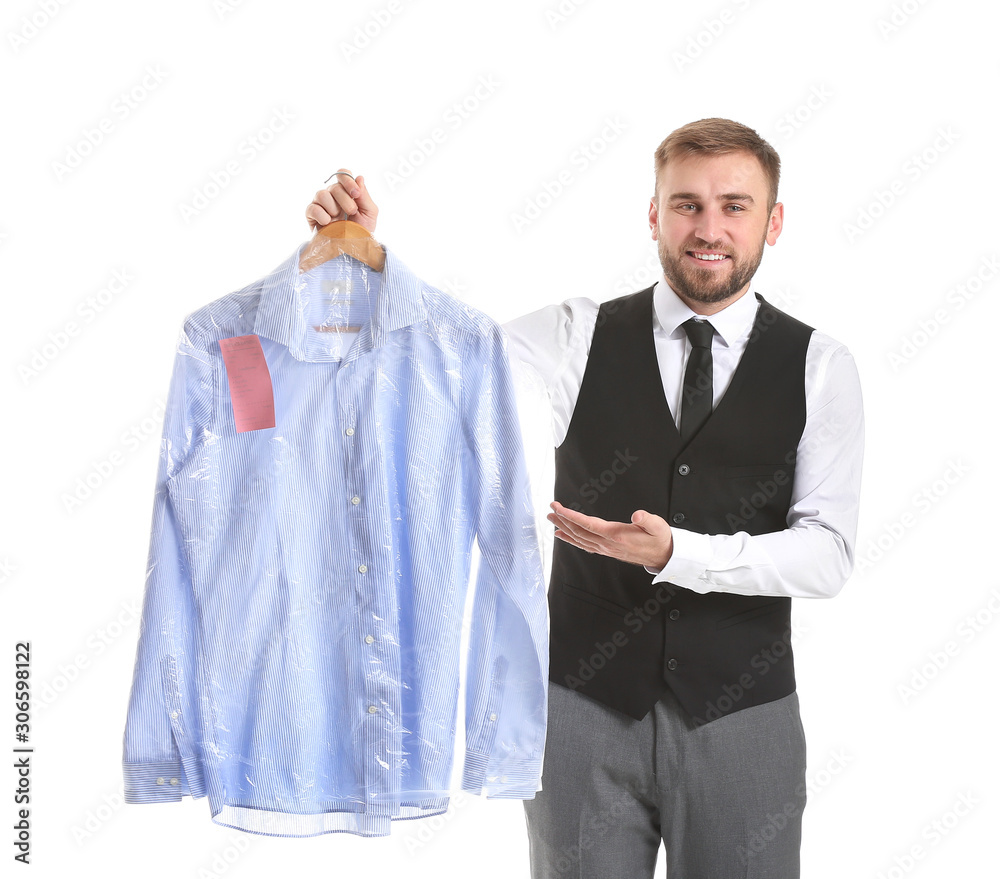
(672, 664)
(684, 469)
(677, 518)
(675, 614)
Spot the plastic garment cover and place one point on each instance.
(335, 441)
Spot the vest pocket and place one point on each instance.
(758, 470)
(743, 616)
(591, 598)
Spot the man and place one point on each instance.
(708, 465)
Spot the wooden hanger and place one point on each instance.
(339, 238)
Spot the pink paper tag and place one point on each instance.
(249, 383)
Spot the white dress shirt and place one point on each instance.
(814, 555)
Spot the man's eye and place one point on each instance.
(738, 207)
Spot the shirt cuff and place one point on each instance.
(154, 782)
(691, 556)
(519, 782)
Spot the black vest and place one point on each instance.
(615, 636)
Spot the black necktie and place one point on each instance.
(696, 404)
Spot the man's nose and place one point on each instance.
(709, 229)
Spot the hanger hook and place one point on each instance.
(335, 173)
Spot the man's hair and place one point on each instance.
(714, 137)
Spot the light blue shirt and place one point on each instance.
(300, 649)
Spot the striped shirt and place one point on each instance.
(300, 648)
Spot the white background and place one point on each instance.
(851, 101)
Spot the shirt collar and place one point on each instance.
(732, 323)
(289, 299)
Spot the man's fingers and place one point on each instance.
(593, 524)
(326, 208)
(323, 208)
(363, 199)
(570, 527)
(586, 545)
(335, 202)
(648, 522)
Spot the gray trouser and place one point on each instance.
(726, 798)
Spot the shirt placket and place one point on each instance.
(375, 630)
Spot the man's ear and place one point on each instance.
(775, 223)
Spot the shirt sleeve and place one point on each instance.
(814, 555)
(507, 675)
(554, 342)
(159, 763)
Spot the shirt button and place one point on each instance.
(672, 664)
(173, 715)
(362, 569)
(675, 614)
(373, 709)
(174, 781)
(159, 781)
(684, 469)
(493, 717)
(677, 518)
(369, 639)
(349, 431)
(355, 500)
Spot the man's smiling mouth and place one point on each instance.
(705, 256)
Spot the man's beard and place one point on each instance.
(699, 285)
